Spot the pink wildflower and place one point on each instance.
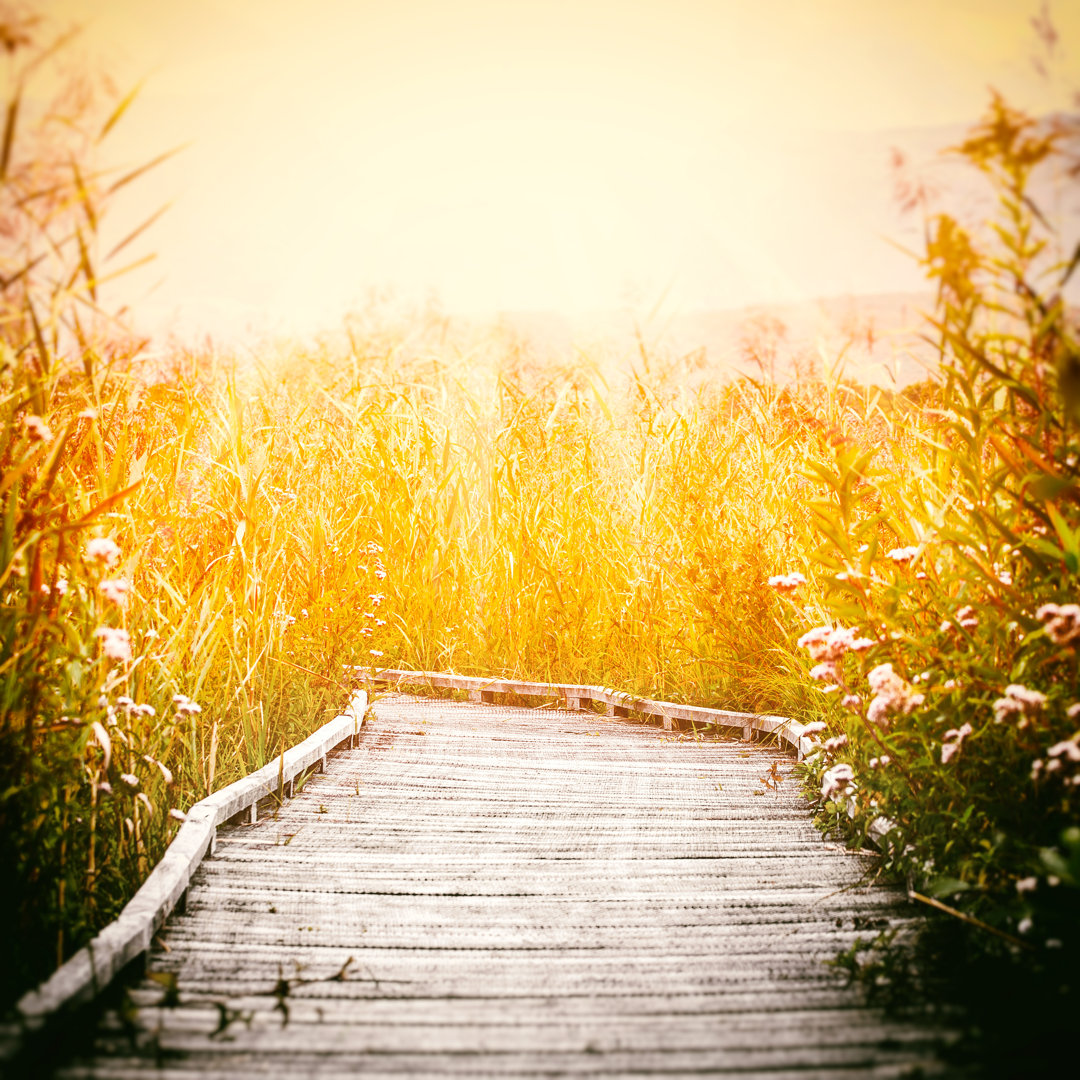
(837, 781)
(1018, 700)
(115, 590)
(1067, 749)
(951, 742)
(829, 644)
(115, 643)
(891, 695)
(103, 550)
(185, 706)
(1062, 622)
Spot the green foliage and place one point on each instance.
(958, 563)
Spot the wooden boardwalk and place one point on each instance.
(485, 890)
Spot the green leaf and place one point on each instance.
(944, 886)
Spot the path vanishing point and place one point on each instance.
(478, 889)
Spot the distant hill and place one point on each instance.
(874, 339)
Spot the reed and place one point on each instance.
(199, 556)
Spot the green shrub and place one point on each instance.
(950, 655)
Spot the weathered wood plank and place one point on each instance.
(477, 889)
(91, 969)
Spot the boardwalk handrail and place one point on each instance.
(617, 703)
(93, 967)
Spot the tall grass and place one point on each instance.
(197, 553)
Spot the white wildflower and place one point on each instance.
(1026, 884)
(185, 706)
(902, 555)
(177, 815)
(787, 582)
(101, 737)
(130, 779)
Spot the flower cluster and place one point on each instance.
(115, 643)
(951, 742)
(838, 781)
(787, 582)
(830, 644)
(103, 551)
(115, 590)
(185, 706)
(902, 555)
(892, 695)
(133, 709)
(1062, 622)
(1062, 755)
(36, 429)
(1020, 701)
(371, 553)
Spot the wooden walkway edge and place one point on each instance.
(478, 889)
(90, 971)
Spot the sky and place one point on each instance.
(573, 157)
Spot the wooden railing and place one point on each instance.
(92, 968)
(614, 703)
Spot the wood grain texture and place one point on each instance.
(578, 697)
(484, 890)
(90, 971)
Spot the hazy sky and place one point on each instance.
(511, 155)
